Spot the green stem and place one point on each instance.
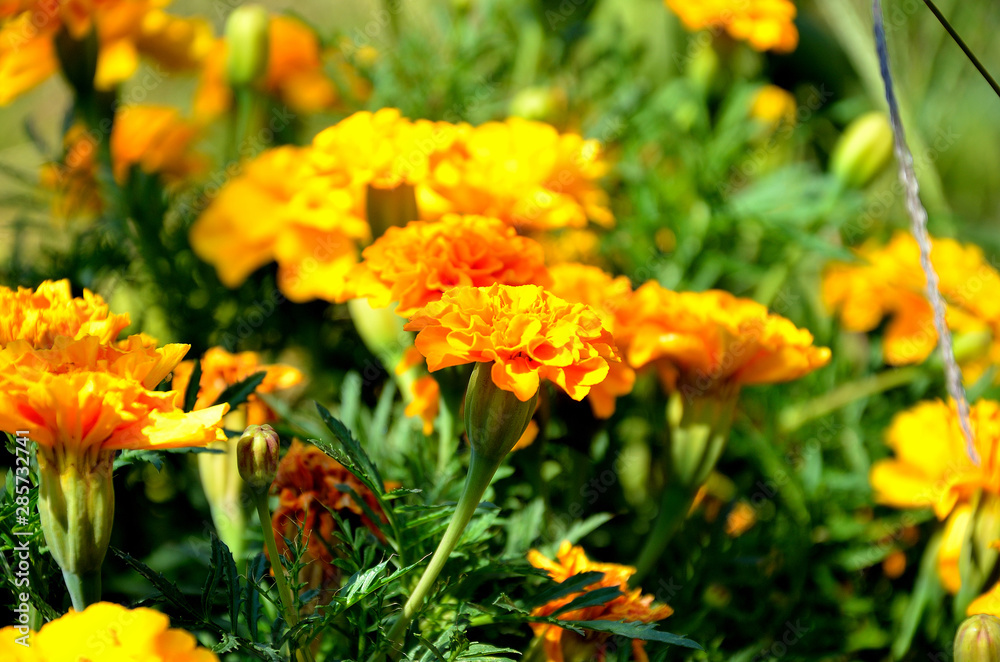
(84, 588)
(675, 503)
(481, 471)
(794, 417)
(284, 593)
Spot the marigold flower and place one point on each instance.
(890, 283)
(126, 29)
(709, 340)
(630, 606)
(764, 24)
(416, 264)
(105, 631)
(307, 488)
(153, 137)
(426, 401)
(38, 316)
(525, 173)
(526, 332)
(772, 104)
(294, 76)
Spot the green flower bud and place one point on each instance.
(978, 639)
(537, 103)
(381, 330)
(257, 454)
(863, 150)
(494, 418)
(247, 44)
(699, 428)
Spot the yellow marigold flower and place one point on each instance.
(39, 316)
(105, 631)
(605, 294)
(956, 532)
(426, 401)
(155, 138)
(631, 605)
(276, 210)
(221, 369)
(523, 172)
(708, 340)
(295, 74)
(416, 264)
(126, 29)
(308, 488)
(772, 105)
(528, 334)
(938, 475)
(890, 283)
(764, 24)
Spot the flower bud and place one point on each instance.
(538, 103)
(247, 44)
(257, 456)
(381, 330)
(699, 428)
(978, 639)
(863, 150)
(494, 418)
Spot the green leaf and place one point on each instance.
(228, 644)
(574, 584)
(353, 449)
(194, 385)
(636, 630)
(593, 598)
(236, 394)
(364, 583)
(167, 589)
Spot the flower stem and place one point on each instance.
(84, 588)
(675, 503)
(481, 471)
(284, 593)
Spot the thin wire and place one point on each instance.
(961, 44)
(918, 216)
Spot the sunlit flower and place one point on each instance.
(772, 104)
(570, 245)
(295, 75)
(309, 485)
(764, 24)
(413, 266)
(708, 340)
(155, 138)
(126, 30)
(630, 606)
(38, 316)
(605, 294)
(526, 332)
(889, 282)
(523, 172)
(426, 401)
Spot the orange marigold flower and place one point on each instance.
(630, 606)
(605, 294)
(523, 172)
(528, 334)
(105, 631)
(221, 369)
(765, 24)
(426, 401)
(126, 29)
(414, 265)
(39, 316)
(307, 488)
(708, 340)
(772, 104)
(153, 137)
(889, 282)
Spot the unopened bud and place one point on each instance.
(257, 456)
(247, 44)
(863, 150)
(494, 418)
(978, 639)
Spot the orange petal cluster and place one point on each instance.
(105, 631)
(528, 334)
(221, 369)
(889, 282)
(38, 316)
(416, 264)
(630, 606)
(126, 30)
(767, 25)
(309, 485)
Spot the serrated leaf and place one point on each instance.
(353, 449)
(228, 644)
(194, 385)
(364, 583)
(504, 602)
(574, 584)
(636, 630)
(593, 598)
(236, 394)
(167, 589)
(251, 598)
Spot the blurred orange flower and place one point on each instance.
(105, 631)
(221, 369)
(767, 25)
(528, 334)
(426, 401)
(38, 316)
(889, 282)
(126, 29)
(416, 264)
(631, 606)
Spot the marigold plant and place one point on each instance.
(764, 24)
